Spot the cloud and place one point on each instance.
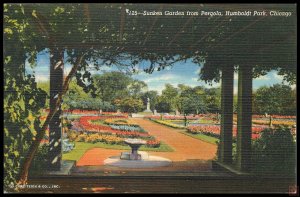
(142, 74)
(276, 76)
(166, 77)
(106, 68)
(157, 87)
(197, 71)
(263, 77)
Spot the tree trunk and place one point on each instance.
(40, 134)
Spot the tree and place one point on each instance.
(169, 95)
(136, 88)
(213, 100)
(277, 99)
(130, 105)
(192, 100)
(163, 106)
(111, 85)
(23, 99)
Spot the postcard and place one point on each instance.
(150, 98)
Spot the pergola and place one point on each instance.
(248, 43)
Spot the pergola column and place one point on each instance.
(55, 125)
(244, 118)
(225, 148)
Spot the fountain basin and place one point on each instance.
(148, 162)
(135, 144)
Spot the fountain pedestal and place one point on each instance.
(135, 144)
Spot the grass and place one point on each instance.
(209, 139)
(203, 121)
(82, 147)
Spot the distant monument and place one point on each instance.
(148, 106)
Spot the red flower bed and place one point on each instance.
(84, 121)
(274, 116)
(214, 130)
(153, 143)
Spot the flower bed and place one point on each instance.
(112, 132)
(109, 138)
(84, 121)
(131, 134)
(214, 130)
(173, 117)
(153, 143)
(118, 121)
(84, 112)
(274, 122)
(274, 116)
(126, 128)
(93, 138)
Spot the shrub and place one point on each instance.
(81, 138)
(72, 135)
(274, 151)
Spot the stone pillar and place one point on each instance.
(225, 147)
(244, 118)
(55, 125)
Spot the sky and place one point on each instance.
(181, 73)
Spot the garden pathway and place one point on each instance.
(186, 148)
(188, 151)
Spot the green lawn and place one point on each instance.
(202, 137)
(82, 147)
(204, 121)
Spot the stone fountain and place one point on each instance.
(135, 144)
(135, 158)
